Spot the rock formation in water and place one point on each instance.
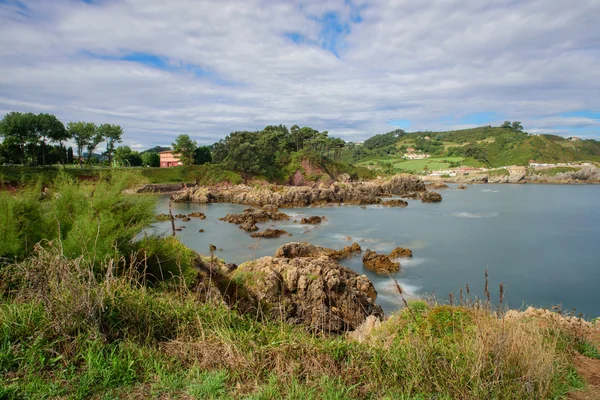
(312, 220)
(437, 186)
(394, 203)
(379, 263)
(270, 233)
(248, 219)
(304, 249)
(316, 291)
(431, 197)
(355, 193)
(197, 214)
(401, 252)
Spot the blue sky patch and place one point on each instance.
(400, 123)
(295, 37)
(582, 113)
(480, 118)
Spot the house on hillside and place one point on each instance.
(168, 159)
(574, 138)
(410, 150)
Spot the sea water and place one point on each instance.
(541, 241)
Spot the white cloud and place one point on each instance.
(527, 61)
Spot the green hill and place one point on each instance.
(485, 146)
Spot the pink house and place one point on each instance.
(168, 159)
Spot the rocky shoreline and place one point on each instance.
(342, 193)
(521, 175)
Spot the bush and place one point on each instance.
(160, 258)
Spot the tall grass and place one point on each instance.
(66, 332)
(94, 220)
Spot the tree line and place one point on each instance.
(35, 139)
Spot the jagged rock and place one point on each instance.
(349, 238)
(437, 185)
(179, 229)
(395, 203)
(201, 230)
(400, 252)
(354, 193)
(462, 187)
(411, 195)
(249, 226)
(270, 208)
(304, 249)
(431, 197)
(311, 220)
(346, 252)
(197, 214)
(270, 233)
(379, 263)
(186, 219)
(163, 217)
(317, 292)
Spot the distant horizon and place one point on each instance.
(352, 67)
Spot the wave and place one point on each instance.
(389, 291)
(474, 215)
(490, 191)
(410, 262)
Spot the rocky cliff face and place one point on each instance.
(589, 174)
(356, 193)
(314, 291)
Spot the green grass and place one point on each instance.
(555, 171)
(418, 166)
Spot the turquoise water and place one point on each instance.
(541, 241)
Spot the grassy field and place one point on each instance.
(418, 166)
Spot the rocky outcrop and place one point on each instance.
(197, 214)
(437, 186)
(431, 197)
(379, 263)
(355, 193)
(462, 187)
(270, 233)
(248, 219)
(304, 249)
(394, 203)
(249, 226)
(317, 292)
(312, 220)
(399, 252)
(163, 217)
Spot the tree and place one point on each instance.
(517, 127)
(506, 125)
(112, 134)
(202, 155)
(70, 155)
(47, 126)
(82, 133)
(18, 131)
(125, 156)
(151, 158)
(94, 141)
(185, 147)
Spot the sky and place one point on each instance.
(160, 68)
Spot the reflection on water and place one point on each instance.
(541, 241)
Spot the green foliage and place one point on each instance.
(150, 159)
(185, 147)
(163, 258)
(94, 222)
(587, 349)
(112, 134)
(498, 172)
(383, 140)
(125, 157)
(202, 155)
